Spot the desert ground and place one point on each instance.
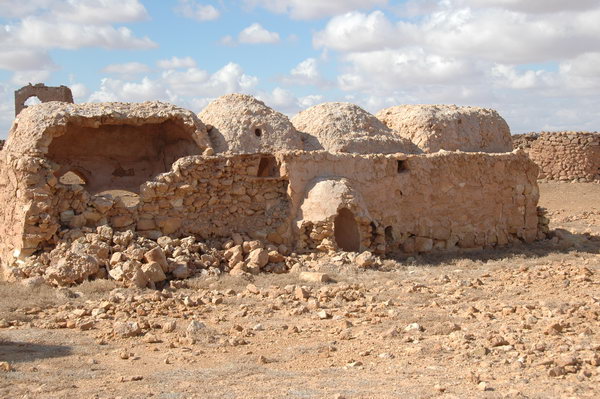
(518, 322)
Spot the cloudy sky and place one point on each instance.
(536, 61)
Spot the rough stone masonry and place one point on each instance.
(144, 193)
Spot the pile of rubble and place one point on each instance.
(141, 262)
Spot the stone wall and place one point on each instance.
(419, 203)
(566, 156)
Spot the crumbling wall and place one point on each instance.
(419, 203)
(567, 156)
(32, 194)
(43, 92)
(449, 127)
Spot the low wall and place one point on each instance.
(419, 203)
(566, 156)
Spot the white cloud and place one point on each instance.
(314, 9)
(127, 70)
(18, 59)
(227, 40)
(49, 24)
(536, 6)
(256, 34)
(119, 90)
(508, 76)
(280, 99)
(21, 78)
(35, 32)
(197, 11)
(176, 62)
(356, 31)
(188, 87)
(493, 34)
(99, 11)
(80, 92)
(384, 69)
(310, 100)
(305, 73)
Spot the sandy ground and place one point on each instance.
(521, 322)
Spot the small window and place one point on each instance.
(258, 132)
(268, 167)
(72, 177)
(402, 167)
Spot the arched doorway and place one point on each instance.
(345, 231)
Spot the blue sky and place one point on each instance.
(534, 61)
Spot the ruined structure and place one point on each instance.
(449, 127)
(43, 93)
(566, 156)
(145, 192)
(344, 127)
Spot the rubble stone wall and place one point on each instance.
(567, 156)
(418, 203)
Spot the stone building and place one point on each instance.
(566, 156)
(71, 175)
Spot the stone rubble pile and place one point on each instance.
(140, 262)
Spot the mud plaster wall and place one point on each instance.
(43, 92)
(568, 156)
(439, 201)
(204, 196)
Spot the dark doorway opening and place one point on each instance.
(345, 230)
(268, 167)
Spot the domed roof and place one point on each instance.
(345, 127)
(449, 127)
(240, 123)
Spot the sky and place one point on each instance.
(535, 61)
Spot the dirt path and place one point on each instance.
(518, 322)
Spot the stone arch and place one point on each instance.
(43, 93)
(345, 231)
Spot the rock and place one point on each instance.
(154, 272)
(557, 371)
(257, 259)
(72, 269)
(169, 326)
(195, 327)
(127, 329)
(323, 315)
(413, 327)
(157, 255)
(181, 271)
(314, 277)
(6, 367)
(365, 260)
(423, 244)
(445, 328)
(301, 293)
(275, 257)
